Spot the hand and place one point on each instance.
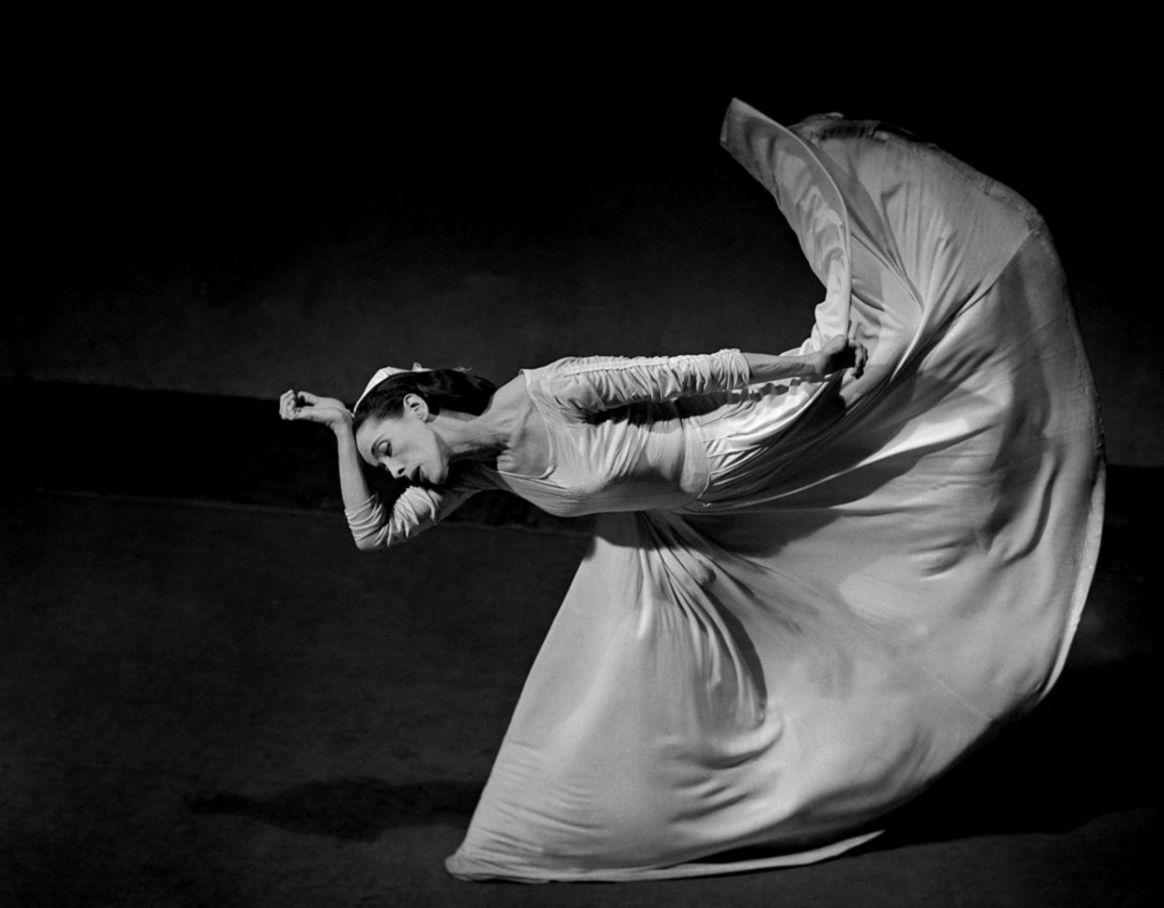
(304, 405)
(841, 353)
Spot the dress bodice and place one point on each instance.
(606, 455)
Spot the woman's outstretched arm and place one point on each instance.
(582, 386)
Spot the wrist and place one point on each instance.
(818, 365)
(342, 427)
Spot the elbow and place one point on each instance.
(367, 543)
(378, 540)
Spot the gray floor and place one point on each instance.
(231, 706)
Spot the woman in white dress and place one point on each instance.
(818, 578)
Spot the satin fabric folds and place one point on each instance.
(869, 576)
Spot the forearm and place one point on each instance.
(769, 367)
(354, 487)
(362, 508)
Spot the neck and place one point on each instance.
(470, 437)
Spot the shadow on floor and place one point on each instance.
(353, 809)
(1081, 755)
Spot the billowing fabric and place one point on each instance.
(804, 601)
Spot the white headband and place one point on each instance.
(382, 374)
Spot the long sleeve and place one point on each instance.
(375, 526)
(582, 386)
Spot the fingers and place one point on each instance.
(307, 407)
(858, 351)
(287, 405)
(860, 358)
(292, 404)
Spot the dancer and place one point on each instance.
(817, 578)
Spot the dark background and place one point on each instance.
(238, 218)
(224, 705)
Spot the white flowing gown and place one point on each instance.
(804, 601)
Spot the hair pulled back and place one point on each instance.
(451, 389)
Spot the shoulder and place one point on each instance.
(555, 367)
(514, 393)
(514, 401)
(552, 389)
(542, 381)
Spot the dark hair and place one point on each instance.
(452, 389)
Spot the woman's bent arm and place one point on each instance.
(372, 525)
(416, 509)
(330, 412)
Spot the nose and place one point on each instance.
(394, 468)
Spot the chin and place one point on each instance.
(429, 476)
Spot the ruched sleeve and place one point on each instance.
(581, 387)
(376, 526)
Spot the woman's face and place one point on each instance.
(406, 446)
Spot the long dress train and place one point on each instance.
(804, 601)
